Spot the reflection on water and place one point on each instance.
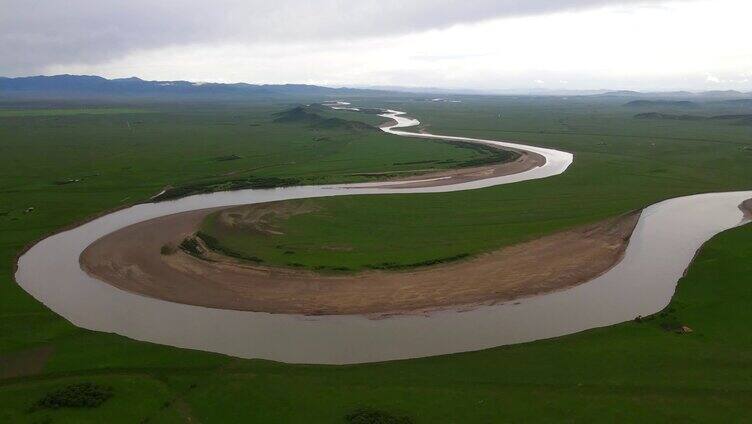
(666, 238)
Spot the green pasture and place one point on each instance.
(632, 372)
(621, 164)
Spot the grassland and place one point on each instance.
(181, 145)
(629, 372)
(621, 164)
(4, 113)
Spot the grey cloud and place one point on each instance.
(36, 34)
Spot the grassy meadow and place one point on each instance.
(621, 164)
(71, 166)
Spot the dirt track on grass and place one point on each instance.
(130, 259)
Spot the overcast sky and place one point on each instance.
(494, 44)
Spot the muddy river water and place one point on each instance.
(667, 236)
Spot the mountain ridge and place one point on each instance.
(93, 86)
(88, 85)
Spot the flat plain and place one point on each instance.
(62, 167)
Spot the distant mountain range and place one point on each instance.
(536, 91)
(541, 91)
(713, 94)
(87, 86)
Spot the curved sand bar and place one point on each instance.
(131, 260)
(662, 245)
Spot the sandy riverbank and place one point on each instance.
(130, 259)
(525, 161)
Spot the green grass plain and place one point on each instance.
(621, 164)
(183, 145)
(68, 111)
(628, 372)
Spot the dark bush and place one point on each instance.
(214, 244)
(83, 395)
(393, 265)
(167, 249)
(492, 155)
(373, 416)
(227, 158)
(190, 246)
(225, 185)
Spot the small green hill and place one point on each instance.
(738, 102)
(303, 115)
(296, 114)
(661, 103)
(739, 119)
(743, 119)
(657, 115)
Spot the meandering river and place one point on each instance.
(666, 238)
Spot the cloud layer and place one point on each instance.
(37, 35)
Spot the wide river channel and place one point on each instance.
(663, 244)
